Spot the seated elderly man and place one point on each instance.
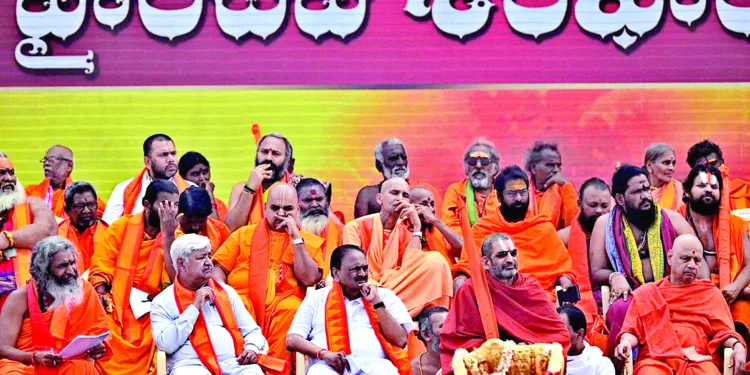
(679, 323)
(430, 324)
(352, 325)
(43, 317)
(201, 323)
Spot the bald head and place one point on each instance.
(420, 196)
(685, 259)
(393, 191)
(58, 164)
(281, 203)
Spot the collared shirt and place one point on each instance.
(309, 322)
(116, 203)
(171, 330)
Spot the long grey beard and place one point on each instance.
(65, 295)
(396, 172)
(11, 199)
(435, 344)
(480, 183)
(314, 224)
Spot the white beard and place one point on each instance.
(65, 295)
(314, 224)
(402, 172)
(9, 200)
(480, 183)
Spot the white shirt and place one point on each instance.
(309, 322)
(591, 361)
(116, 203)
(171, 330)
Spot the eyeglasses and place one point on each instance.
(512, 193)
(484, 161)
(92, 206)
(512, 253)
(53, 160)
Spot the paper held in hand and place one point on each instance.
(81, 344)
(140, 303)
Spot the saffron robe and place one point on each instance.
(84, 242)
(56, 202)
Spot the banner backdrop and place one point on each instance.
(334, 132)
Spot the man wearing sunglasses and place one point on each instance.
(476, 192)
(519, 308)
(550, 193)
(57, 166)
(542, 255)
(709, 153)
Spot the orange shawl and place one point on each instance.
(337, 330)
(201, 341)
(455, 199)
(580, 253)
(436, 242)
(258, 275)
(669, 195)
(133, 190)
(85, 248)
(217, 232)
(123, 277)
(333, 239)
(380, 258)
(541, 253)
(221, 209)
(739, 193)
(661, 316)
(55, 329)
(558, 203)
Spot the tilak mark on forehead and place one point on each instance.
(5, 163)
(506, 244)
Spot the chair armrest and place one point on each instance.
(300, 363)
(727, 361)
(161, 363)
(605, 300)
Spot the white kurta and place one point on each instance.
(367, 353)
(116, 203)
(171, 332)
(590, 362)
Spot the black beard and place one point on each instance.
(642, 219)
(703, 208)
(153, 219)
(160, 175)
(514, 213)
(277, 171)
(587, 223)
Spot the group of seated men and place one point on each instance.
(277, 270)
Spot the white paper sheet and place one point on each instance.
(139, 303)
(81, 344)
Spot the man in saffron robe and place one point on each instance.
(160, 163)
(352, 324)
(271, 264)
(195, 168)
(594, 200)
(660, 163)
(628, 246)
(550, 193)
(723, 237)
(391, 161)
(315, 217)
(44, 316)
(436, 236)
(23, 222)
(201, 323)
(392, 242)
(247, 201)
(82, 227)
(194, 216)
(131, 259)
(519, 310)
(709, 153)
(680, 323)
(541, 253)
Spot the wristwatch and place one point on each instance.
(378, 305)
(299, 241)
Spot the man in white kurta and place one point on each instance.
(172, 329)
(367, 354)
